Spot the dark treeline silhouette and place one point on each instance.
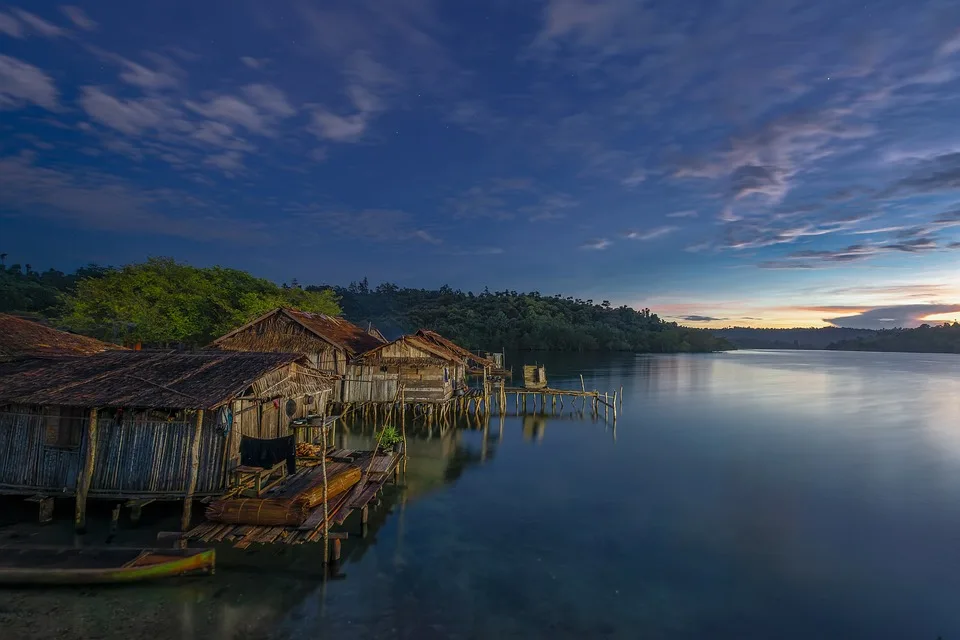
(944, 338)
(811, 338)
(524, 321)
(27, 291)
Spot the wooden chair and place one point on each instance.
(259, 479)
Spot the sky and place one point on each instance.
(722, 162)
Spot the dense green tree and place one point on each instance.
(923, 339)
(511, 320)
(163, 302)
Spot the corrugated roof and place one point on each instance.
(22, 338)
(147, 379)
(336, 331)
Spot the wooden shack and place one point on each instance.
(429, 372)
(534, 376)
(476, 365)
(144, 425)
(329, 343)
(21, 338)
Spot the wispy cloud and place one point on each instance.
(39, 25)
(368, 85)
(650, 234)
(253, 63)
(10, 26)
(101, 201)
(597, 244)
(634, 178)
(22, 83)
(78, 17)
(689, 213)
(891, 317)
(377, 225)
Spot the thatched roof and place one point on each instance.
(158, 379)
(469, 357)
(335, 331)
(22, 338)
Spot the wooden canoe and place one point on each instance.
(99, 565)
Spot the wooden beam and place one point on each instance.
(85, 476)
(193, 473)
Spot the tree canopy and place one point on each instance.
(923, 339)
(163, 302)
(512, 320)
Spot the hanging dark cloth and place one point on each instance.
(255, 452)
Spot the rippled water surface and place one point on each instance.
(741, 495)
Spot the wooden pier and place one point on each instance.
(379, 469)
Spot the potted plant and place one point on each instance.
(390, 439)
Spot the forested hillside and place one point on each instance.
(163, 302)
(512, 320)
(812, 338)
(924, 339)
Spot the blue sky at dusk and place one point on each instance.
(723, 162)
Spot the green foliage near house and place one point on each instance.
(164, 302)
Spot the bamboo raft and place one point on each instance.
(382, 468)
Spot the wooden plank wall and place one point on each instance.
(367, 383)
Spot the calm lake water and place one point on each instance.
(742, 495)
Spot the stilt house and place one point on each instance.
(145, 424)
(430, 367)
(330, 344)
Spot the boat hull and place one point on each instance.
(65, 566)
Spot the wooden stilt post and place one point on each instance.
(86, 473)
(46, 504)
(114, 521)
(614, 406)
(621, 396)
(336, 551)
(326, 513)
(192, 472)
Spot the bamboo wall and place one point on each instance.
(133, 458)
(139, 458)
(26, 463)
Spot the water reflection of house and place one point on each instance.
(534, 426)
(144, 424)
